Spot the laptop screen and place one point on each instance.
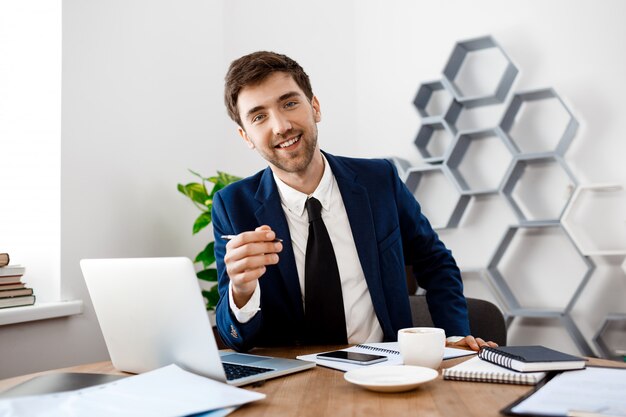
(151, 313)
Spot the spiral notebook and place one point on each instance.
(479, 370)
(389, 349)
(531, 358)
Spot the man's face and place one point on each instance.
(279, 122)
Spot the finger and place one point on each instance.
(471, 342)
(251, 250)
(492, 344)
(245, 278)
(257, 235)
(237, 266)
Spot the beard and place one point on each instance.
(296, 161)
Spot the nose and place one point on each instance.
(280, 125)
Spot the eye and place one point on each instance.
(291, 104)
(258, 118)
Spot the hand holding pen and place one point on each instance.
(247, 256)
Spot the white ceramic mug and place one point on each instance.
(422, 346)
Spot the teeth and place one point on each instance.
(289, 142)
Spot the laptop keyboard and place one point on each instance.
(236, 371)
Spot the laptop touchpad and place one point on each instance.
(243, 359)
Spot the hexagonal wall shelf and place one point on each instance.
(525, 260)
(611, 338)
(566, 321)
(434, 189)
(478, 160)
(432, 99)
(596, 219)
(479, 72)
(433, 140)
(538, 187)
(452, 115)
(476, 284)
(539, 121)
(524, 263)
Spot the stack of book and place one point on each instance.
(525, 365)
(13, 292)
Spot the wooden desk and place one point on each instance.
(324, 392)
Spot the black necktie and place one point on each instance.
(323, 309)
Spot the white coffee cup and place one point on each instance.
(422, 346)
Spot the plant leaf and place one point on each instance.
(202, 221)
(226, 179)
(209, 274)
(207, 256)
(212, 297)
(222, 180)
(195, 191)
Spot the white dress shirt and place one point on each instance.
(361, 322)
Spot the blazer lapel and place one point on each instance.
(356, 201)
(270, 212)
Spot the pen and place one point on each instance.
(229, 237)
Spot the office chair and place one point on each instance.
(485, 319)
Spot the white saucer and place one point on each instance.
(391, 378)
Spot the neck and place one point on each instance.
(305, 181)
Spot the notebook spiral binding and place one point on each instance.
(378, 349)
(500, 358)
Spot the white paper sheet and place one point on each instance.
(596, 390)
(389, 349)
(167, 391)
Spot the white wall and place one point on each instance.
(30, 137)
(30, 164)
(142, 102)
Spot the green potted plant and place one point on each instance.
(202, 198)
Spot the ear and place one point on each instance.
(245, 137)
(317, 113)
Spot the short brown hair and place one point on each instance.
(253, 69)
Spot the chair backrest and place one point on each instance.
(485, 319)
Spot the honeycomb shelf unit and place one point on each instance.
(464, 74)
(433, 140)
(563, 317)
(518, 156)
(539, 122)
(445, 205)
(590, 219)
(478, 160)
(432, 99)
(538, 187)
(611, 337)
(539, 238)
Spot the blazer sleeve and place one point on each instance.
(238, 336)
(434, 267)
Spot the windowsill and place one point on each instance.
(40, 311)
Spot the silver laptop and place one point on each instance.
(152, 314)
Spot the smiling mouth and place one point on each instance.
(289, 142)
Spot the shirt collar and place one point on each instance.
(295, 200)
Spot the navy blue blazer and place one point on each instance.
(389, 232)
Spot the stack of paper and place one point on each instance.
(168, 391)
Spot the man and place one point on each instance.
(273, 292)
